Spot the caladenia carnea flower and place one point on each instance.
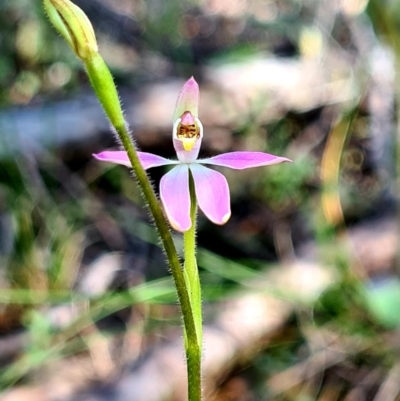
(211, 187)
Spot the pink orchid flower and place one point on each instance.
(211, 187)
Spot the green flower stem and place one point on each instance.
(103, 84)
(191, 272)
(104, 87)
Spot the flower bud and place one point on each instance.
(72, 23)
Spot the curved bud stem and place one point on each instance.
(74, 26)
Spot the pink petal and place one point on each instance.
(188, 99)
(175, 196)
(212, 193)
(242, 160)
(148, 160)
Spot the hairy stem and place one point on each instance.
(193, 351)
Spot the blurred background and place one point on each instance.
(301, 287)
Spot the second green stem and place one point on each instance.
(191, 273)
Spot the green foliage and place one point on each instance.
(33, 59)
(287, 186)
(383, 302)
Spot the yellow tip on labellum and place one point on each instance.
(188, 143)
